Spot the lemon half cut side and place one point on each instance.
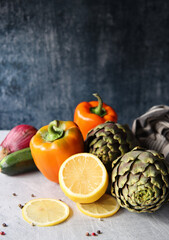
(83, 178)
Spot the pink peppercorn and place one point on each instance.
(2, 233)
(94, 234)
(87, 234)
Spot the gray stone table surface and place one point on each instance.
(124, 225)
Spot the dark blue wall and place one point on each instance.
(56, 53)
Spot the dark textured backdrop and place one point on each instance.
(56, 53)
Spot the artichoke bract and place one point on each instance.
(140, 180)
(110, 140)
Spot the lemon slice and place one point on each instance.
(45, 212)
(83, 178)
(106, 206)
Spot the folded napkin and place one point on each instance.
(152, 129)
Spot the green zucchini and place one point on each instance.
(18, 162)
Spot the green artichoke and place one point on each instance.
(109, 141)
(140, 180)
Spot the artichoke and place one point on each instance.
(140, 180)
(109, 141)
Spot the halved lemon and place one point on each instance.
(106, 206)
(45, 212)
(83, 178)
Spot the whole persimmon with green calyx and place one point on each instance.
(53, 144)
(83, 178)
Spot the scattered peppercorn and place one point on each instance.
(99, 232)
(20, 205)
(4, 225)
(33, 224)
(87, 234)
(32, 195)
(2, 233)
(94, 234)
(14, 194)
